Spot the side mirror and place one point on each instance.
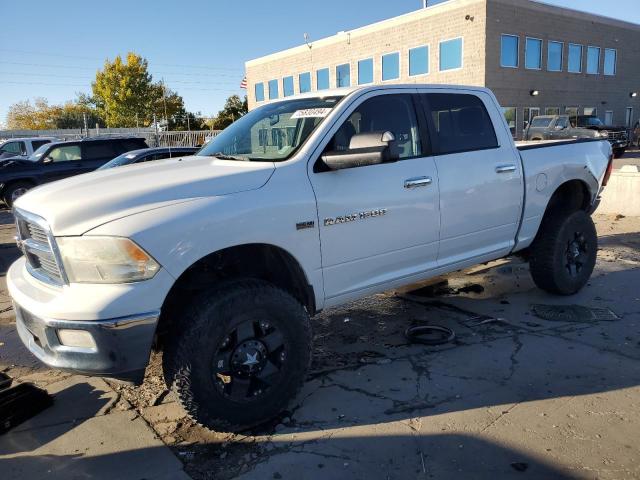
(47, 160)
(365, 149)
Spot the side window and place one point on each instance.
(384, 113)
(130, 144)
(98, 150)
(65, 153)
(18, 148)
(461, 123)
(36, 144)
(562, 122)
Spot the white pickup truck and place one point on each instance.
(22, 147)
(303, 204)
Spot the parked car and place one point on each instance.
(57, 160)
(149, 154)
(560, 127)
(22, 147)
(302, 204)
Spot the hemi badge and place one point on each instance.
(305, 225)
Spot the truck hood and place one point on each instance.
(607, 128)
(78, 204)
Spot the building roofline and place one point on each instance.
(433, 10)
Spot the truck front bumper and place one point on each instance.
(102, 336)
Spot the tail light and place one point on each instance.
(607, 174)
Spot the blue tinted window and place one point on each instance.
(554, 54)
(593, 60)
(365, 71)
(391, 66)
(418, 61)
(304, 79)
(451, 54)
(322, 79)
(509, 51)
(273, 89)
(287, 86)
(575, 58)
(610, 60)
(259, 92)
(343, 75)
(533, 54)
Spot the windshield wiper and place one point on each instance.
(224, 156)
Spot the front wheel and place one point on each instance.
(564, 253)
(14, 191)
(239, 355)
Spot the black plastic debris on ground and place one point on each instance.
(20, 403)
(573, 313)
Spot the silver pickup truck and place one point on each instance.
(222, 259)
(565, 127)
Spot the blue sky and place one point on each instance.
(53, 49)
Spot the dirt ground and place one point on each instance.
(532, 385)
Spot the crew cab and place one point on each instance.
(57, 160)
(301, 205)
(562, 127)
(22, 147)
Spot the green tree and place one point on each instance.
(233, 109)
(125, 95)
(42, 116)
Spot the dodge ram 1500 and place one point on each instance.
(221, 259)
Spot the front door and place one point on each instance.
(480, 178)
(378, 223)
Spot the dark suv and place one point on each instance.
(57, 160)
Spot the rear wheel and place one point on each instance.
(619, 152)
(564, 253)
(14, 191)
(239, 355)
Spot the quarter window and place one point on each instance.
(575, 58)
(38, 143)
(304, 80)
(461, 123)
(384, 113)
(365, 71)
(554, 57)
(322, 79)
(509, 51)
(287, 86)
(259, 92)
(343, 75)
(273, 89)
(451, 54)
(610, 61)
(391, 66)
(418, 61)
(533, 54)
(593, 60)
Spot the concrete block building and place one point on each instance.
(537, 58)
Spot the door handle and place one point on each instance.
(417, 182)
(505, 168)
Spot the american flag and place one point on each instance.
(243, 83)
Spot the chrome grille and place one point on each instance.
(617, 135)
(39, 248)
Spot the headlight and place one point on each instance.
(602, 134)
(105, 260)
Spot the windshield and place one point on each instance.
(589, 122)
(124, 159)
(541, 122)
(35, 156)
(271, 133)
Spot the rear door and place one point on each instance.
(480, 177)
(378, 223)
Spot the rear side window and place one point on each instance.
(130, 144)
(36, 144)
(461, 123)
(98, 150)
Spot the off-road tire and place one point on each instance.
(549, 254)
(9, 190)
(188, 362)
